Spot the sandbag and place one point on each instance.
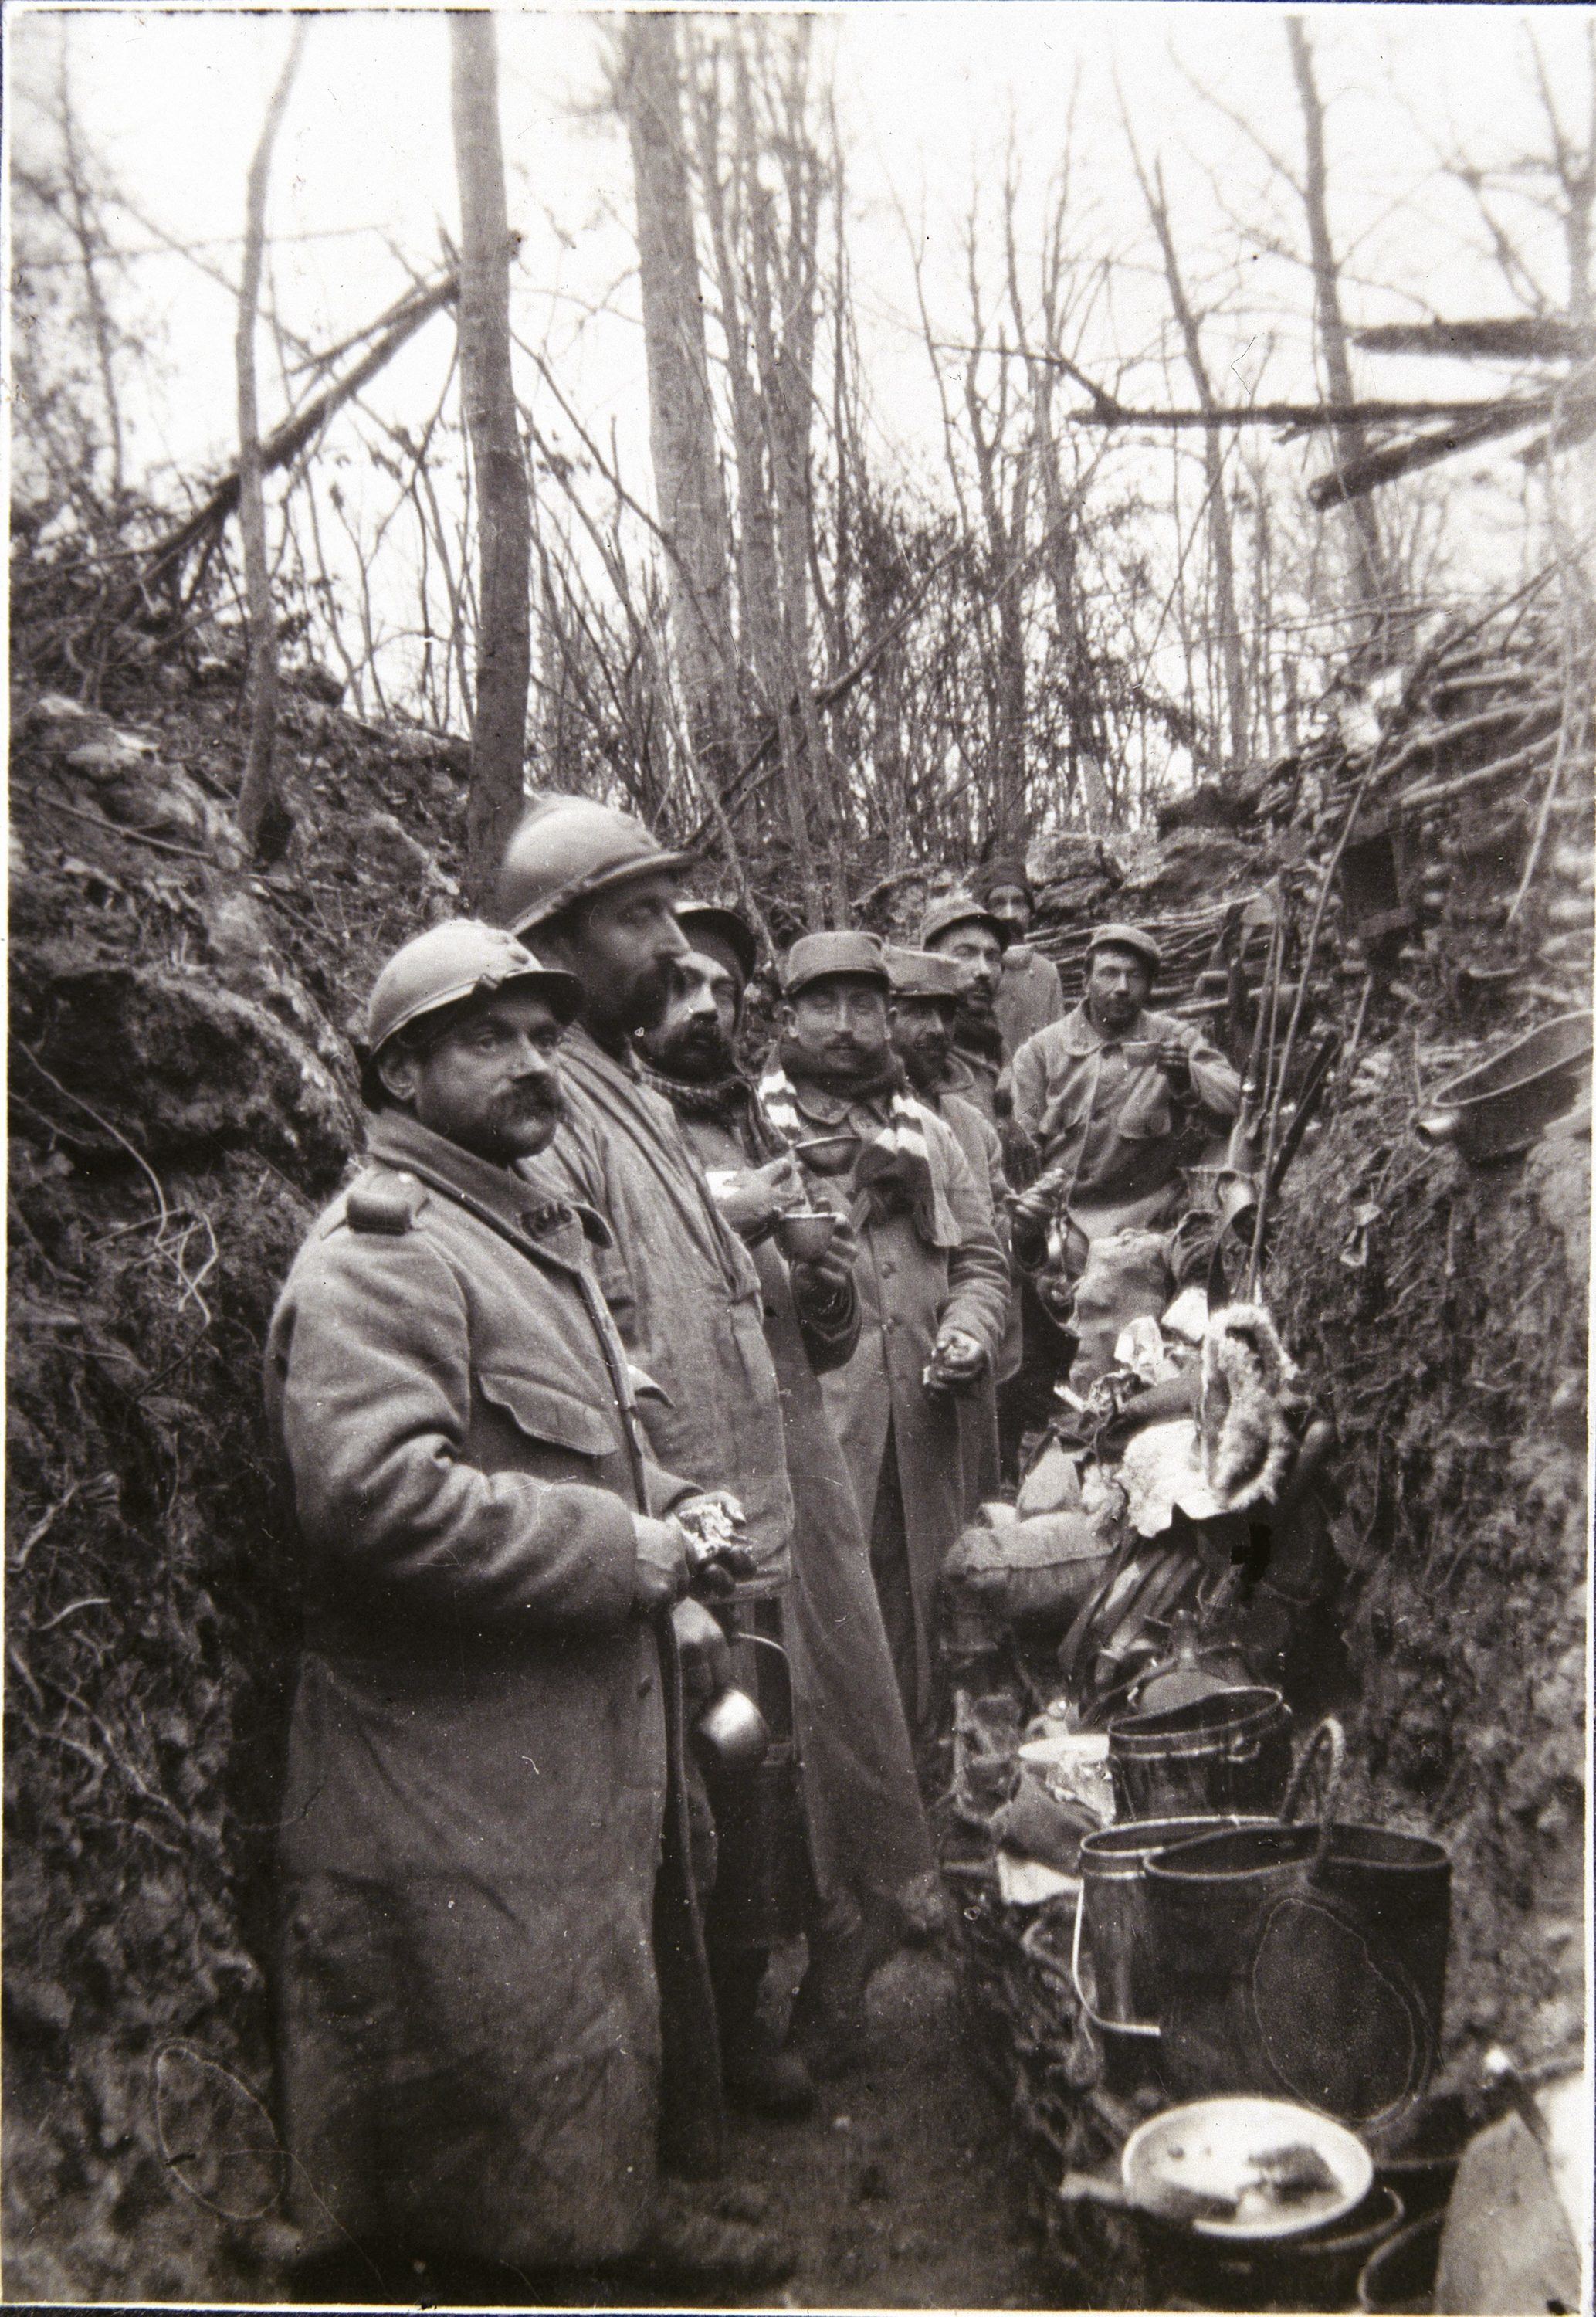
(1036, 1570)
(1052, 1485)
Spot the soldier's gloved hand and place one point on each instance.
(665, 1563)
(703, 1648)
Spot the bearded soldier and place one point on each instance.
(932, 1277)
(485, 1755)
(599, 895)
(872, 1846)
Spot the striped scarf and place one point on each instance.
(729, 1102)
(893, 1167)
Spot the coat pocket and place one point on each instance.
(545, 1413)
(1146, 1112)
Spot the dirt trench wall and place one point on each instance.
(181, 1103)
(1443, 1311)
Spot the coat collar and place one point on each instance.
(523, 1199)
(1082, 1036)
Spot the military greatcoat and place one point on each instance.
(684, 1292)
(916, 1273)
(480, 1775)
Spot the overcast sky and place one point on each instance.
(930, 96)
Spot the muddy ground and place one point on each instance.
(903, 2189)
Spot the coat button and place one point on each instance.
(888, 1268)
(645, 1685)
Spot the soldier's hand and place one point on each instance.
(665, 1561)
(1172, 1057)
(750, 1198)
(824, 1280)
(703, 1648)
(957, 1356)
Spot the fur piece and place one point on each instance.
(1245, 1440)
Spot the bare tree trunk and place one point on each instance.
(504, 505)
(261, 817)
(90, 246)
(693, 510)
(1350, 442)
(1221, 538)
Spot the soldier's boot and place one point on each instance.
(830, 2023)
(759, 2072)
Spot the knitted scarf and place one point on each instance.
(893, 1166)
(729, 1103)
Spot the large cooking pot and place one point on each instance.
(1112, 1933)
(1499, 1107)
(1223, 1754)
(1308, 1962)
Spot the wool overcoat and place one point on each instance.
(684, 1292)
(1029, 996)
(915, 1274)
(1103, 1104)
(480, 1786)
(866, 1823)
(977, 1138)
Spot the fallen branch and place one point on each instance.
(285, 445)
(139, 835)
(1354, 479)
(1500, 337)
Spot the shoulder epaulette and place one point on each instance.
(387, 1203)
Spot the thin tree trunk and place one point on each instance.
(1220, 536)
(495, 801)
(692, 496)
(262, 819)
(1351, 440)
(90, 244)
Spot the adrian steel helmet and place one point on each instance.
(713, 920)
(568, 848)
(460, 958)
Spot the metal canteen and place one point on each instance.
(733, 1733)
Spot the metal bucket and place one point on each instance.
(1223, 1756)
(1111, 1926)
(1499, 1107)
(1305, 1961)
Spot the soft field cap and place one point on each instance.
(1130, 938)
(814, 957)
(917, 973)
(451, 961)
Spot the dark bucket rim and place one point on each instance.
(1295, 1845)
(1201, 1717)
(1108, 1841)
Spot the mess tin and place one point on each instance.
(803, 1234)
(733, 1733)
(828, 1154)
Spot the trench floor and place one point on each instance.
(902, 2191)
